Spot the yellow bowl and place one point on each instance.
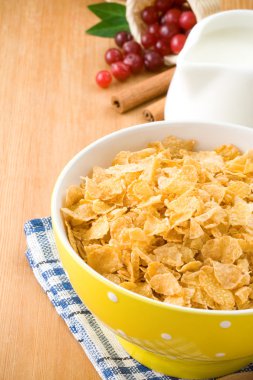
(177, 341)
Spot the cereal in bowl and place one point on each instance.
(170, 223)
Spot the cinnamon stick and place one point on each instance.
(155, 111)
(142, 92)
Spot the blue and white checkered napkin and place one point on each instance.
(99, 344)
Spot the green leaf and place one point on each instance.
(107, 10)
(109, 27)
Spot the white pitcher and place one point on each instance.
(214, 75)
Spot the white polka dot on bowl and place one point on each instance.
(112, 297)
(220, 355)
(225, 324)
(166, 336)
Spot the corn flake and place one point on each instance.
(169, 223)
(240, 213)
(73, 195)
(212, 287)
(165, 284)
(71, 237)
(169, 254)
(225, 249)
(141, 288)
(242, 296)
(195, 230)
(228, 275)
(228, 152)
(104, 259)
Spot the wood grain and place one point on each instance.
(50, 109)
(236, 4)
(238, 376)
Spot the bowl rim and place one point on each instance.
(61, 234)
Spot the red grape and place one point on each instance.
(122, 37)
(113, 55)
(167, 31)
(163, 5)
(177, 43)
(132, 47)
(135, 62)
(148, 40)
(120, 70)
(187, 20)
(103, 78)
(154, 28)
(163, 47)
(171, 16)
(153, 61)
(149, 15)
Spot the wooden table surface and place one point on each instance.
(50, 108)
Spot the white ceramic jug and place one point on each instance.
(214, 75)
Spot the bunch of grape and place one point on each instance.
(168, 23)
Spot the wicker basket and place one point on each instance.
(201, 8)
